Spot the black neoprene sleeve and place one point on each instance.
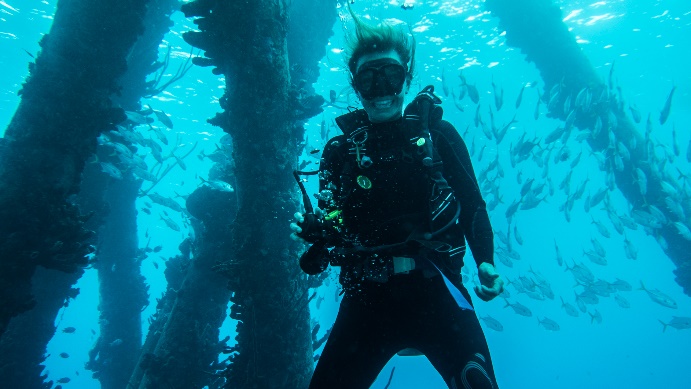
(459, 173)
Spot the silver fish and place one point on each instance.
(601, 288)
(659, 297)
(519, 309)
(546, 291)
(137, 118)
(218, 185)
(630, 249)
(179, 161)
(531, 201)
(589, 297)
(567, 104)
(646, 219)
(163, 118)
(121, 149)
(621, 301)
(676, 208)
(144, 174)
(678, 322)
(527, 283)
(664, 114)
(549, 324)
(635, 113)
(511, 209)
(517, 235)
(623, 151)
(576, 160)
(560, 259)
(166, 202)
(116, 342)
(472, 90)
(568, 308)
(520, 96)
(477, 119)
(657, 214)
(601, 228)
(111, 170)
(570, 119)
(170, 223)
(581, 304)
(595, 317)
(444, 82)
(622, 285)
(498, 96)
(581, 273)
(486, 130)
(535, 295)
(492, 323)
(598, 196)
(599, 249)
(642, 181)
(457, 102)
(504, 259)
(462, 91)
(554, 135)
(683, 230)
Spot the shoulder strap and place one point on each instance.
(426, 107)
(423, 113)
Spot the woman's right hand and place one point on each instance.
(299, 219)
(298, 226)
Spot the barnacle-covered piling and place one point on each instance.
(65, 104)
(264, 113)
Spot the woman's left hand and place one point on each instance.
(491, 284)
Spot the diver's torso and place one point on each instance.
(388, 199)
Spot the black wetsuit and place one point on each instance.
(383, 313)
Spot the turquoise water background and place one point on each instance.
(648, 40)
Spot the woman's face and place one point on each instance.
(382, 108)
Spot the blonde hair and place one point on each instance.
(380, 38)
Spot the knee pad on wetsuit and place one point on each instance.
(473, 376)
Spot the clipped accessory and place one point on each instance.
(315, 259)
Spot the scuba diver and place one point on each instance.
(398, 200)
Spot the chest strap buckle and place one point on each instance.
(403, 265)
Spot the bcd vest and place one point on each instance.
(392, 191)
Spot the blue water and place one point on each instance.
(648, 39)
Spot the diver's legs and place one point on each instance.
(455, 345)
(360, 344)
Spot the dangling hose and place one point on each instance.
(305, 197)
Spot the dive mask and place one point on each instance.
(379, 78)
